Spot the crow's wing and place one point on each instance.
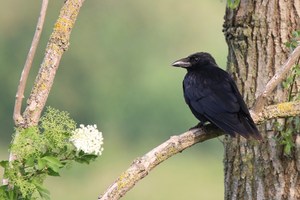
(218, 100)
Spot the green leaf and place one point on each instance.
(11, 194)
(44, 193)
(30, 161)
(296, 34)
(287, 44)
(53, 160)
(285, 84)
(4, 163)
(3, 193)
(297, 123)
(8, 194)
(287, 149)
(233, 3)
(53, 163)
(297, 70)
(50, 172)
(86, 158)
(41, 164)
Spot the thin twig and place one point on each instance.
(57, 45)
(276, 79)
(18, 119)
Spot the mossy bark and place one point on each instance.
(256, 33)
(57, 45)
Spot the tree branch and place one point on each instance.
(176, 144)
(286, 109)
(276, 79)
(18, 119)
(142, 166)
(57, 45)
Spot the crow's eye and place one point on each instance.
(194, 59)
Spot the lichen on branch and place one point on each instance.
(57, 45)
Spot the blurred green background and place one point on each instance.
(117, 74)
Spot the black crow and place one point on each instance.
(213, 96)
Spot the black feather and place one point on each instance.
(213, 96)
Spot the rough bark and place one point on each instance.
(255, 33)
(57, 45)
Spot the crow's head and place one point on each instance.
(195, 60)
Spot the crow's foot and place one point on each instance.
(199, 125)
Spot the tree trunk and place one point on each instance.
(256, 33)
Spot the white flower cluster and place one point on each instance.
(88, 139)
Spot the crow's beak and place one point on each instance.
(184, 62)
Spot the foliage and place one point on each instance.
(294, 40)
(291, 126)
(233, 4)
(42, 151)
(286, 131)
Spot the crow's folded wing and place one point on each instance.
(222, 105)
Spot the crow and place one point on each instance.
(213, 96)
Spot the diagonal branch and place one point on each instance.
(18, 119)
(176, 144)
(142, 166)
(276, 79)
